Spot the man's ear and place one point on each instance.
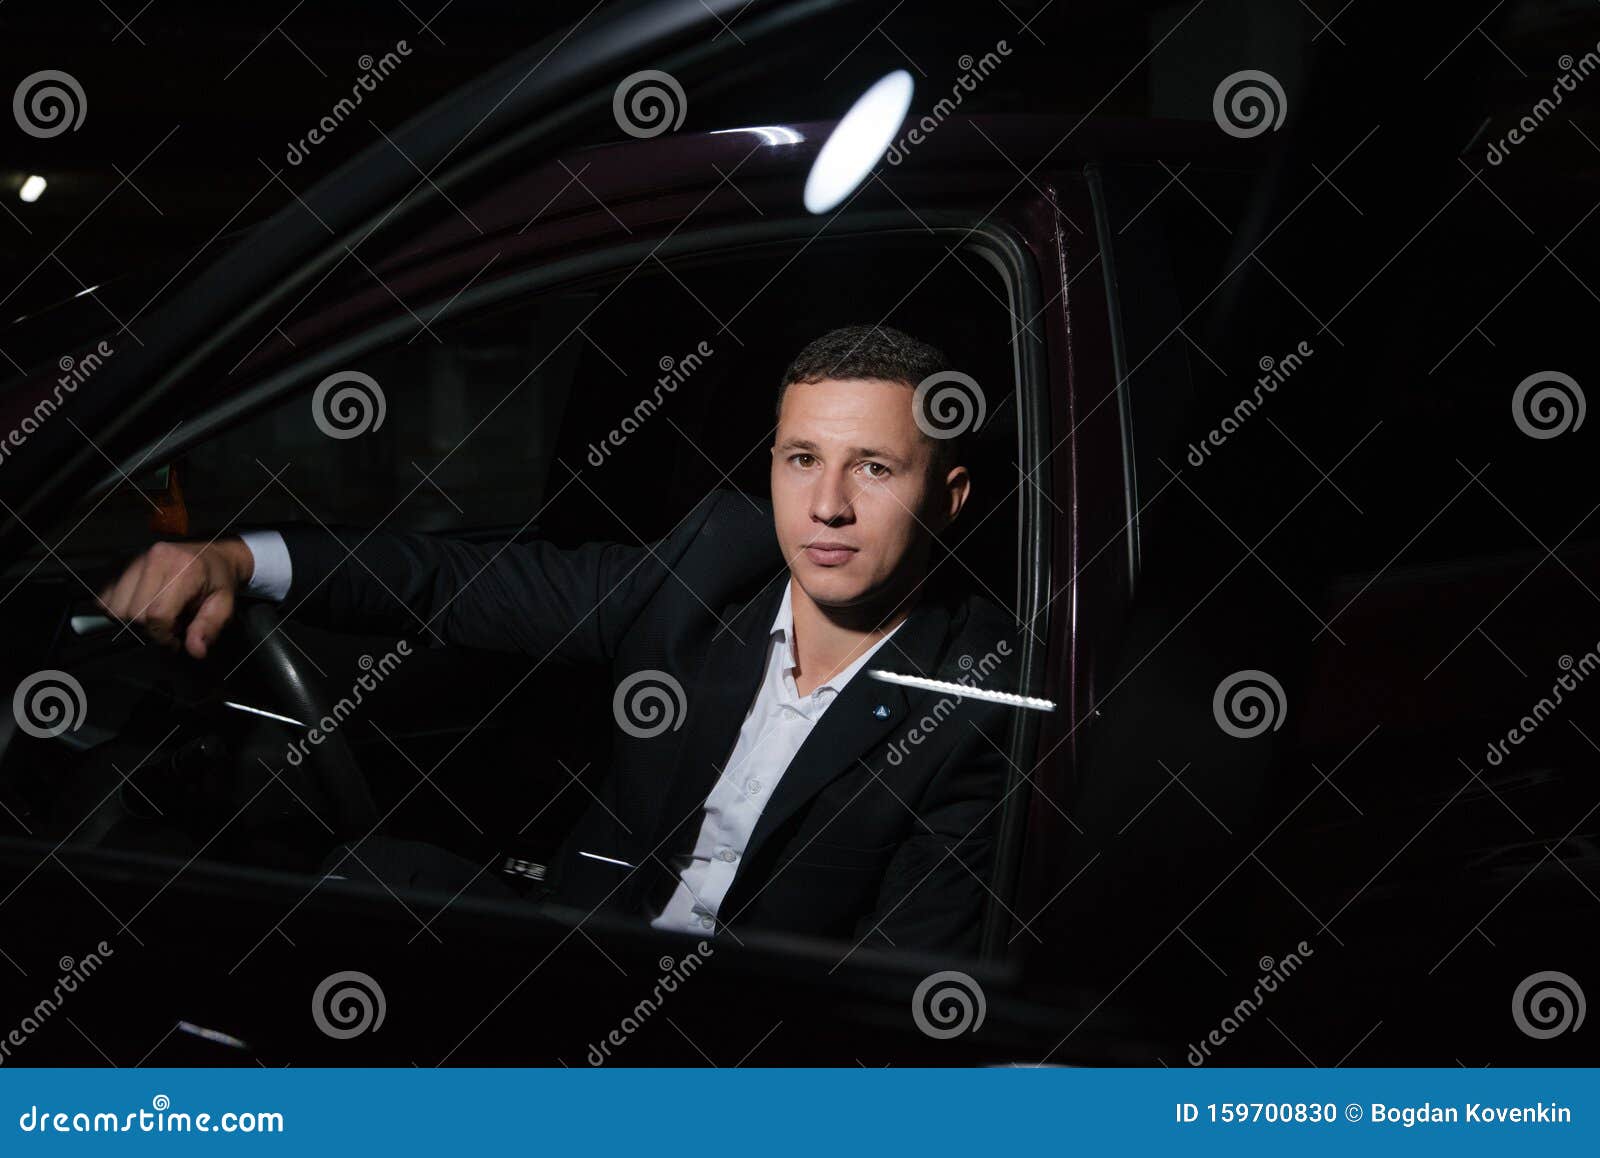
(957, 487)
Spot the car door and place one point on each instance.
(322, 340)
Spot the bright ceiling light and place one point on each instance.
(860, 138)
(31, 188)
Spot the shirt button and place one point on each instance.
(727, 854)
(753, 787)
(706, 922)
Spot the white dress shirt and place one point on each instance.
(778, 722)
(270, 577)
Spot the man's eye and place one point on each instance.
(877, 469)
(796, 458)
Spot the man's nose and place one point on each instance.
(831, 500)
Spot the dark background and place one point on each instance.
(191, 101)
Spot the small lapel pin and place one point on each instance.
(881, 711)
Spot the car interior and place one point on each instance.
(470, 444)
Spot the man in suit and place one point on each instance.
(758, 776)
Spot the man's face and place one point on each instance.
(851, 468)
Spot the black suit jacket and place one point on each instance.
(882, 828)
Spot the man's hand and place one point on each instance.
(182, 594)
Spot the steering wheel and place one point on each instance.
(332, 762)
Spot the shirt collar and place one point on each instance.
(783, 630)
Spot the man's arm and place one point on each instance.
(532, 597)
(273, 569)
(182, 594)
(936, 884)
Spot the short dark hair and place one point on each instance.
(877, 352)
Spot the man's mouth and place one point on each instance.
(829, 554)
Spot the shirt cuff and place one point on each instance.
(273, 571)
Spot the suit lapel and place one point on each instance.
(719, 702)
(852, 724)
(717, 705)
